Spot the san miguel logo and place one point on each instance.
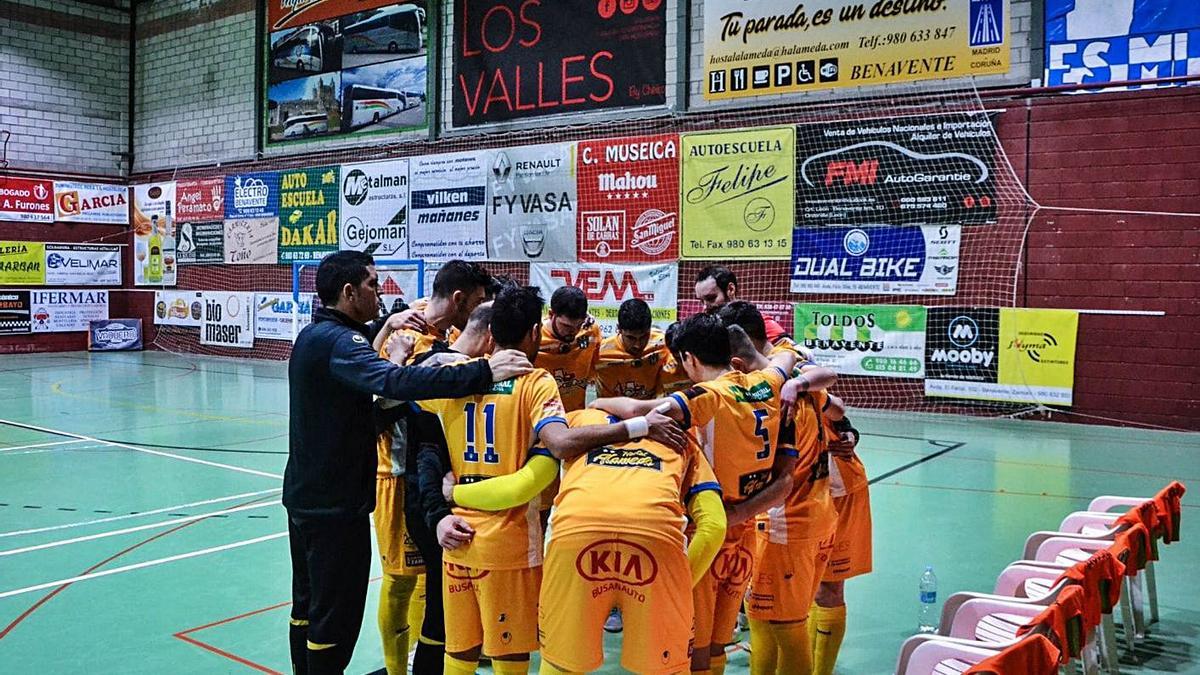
(871, 163)
(617, 560)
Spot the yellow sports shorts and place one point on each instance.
(397, 552)
(852, 542)
(718, 596)
(588, 574)
(786, 577)
(494, 608)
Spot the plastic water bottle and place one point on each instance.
(927, 619)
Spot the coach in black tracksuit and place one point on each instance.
(329, 482)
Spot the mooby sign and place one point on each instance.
(26, 199)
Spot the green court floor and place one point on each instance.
(141, 531)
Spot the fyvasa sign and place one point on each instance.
(27, 200)
(607, 286)
(91, 203)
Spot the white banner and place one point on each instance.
(83, 265)
(252, 241)
(91, 203)
(374, 208)
(66, 311)
(607, 286)
(447, 198)
(275, 314)
(228, 319)
(154, 234)
(531, 204)
(178, 308)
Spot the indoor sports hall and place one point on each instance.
(970, 225)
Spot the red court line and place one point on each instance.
(232, 657)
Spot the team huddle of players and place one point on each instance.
(761, 504)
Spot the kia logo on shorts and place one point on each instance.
(617, 560)
(459, 572)
(963, 331)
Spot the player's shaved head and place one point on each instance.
(480, 320)
(704, 337)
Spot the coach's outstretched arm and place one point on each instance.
(355, 364)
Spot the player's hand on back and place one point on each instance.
(509, 363)
(842, 447)
(666, 431)
(789, 394)
(453, 531)
(448, 483)
(409, 318)
(399, 348)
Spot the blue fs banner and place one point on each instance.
(112, 335)
(878, 260)
(1101, 41)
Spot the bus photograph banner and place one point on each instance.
(396, 29)
(305, 51)
(363, 105)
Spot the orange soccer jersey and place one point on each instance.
(573, 363)
(808, 511)
(654, 481)
(618, 373)
(737, 417)
(492, 435)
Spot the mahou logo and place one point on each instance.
(617, 560)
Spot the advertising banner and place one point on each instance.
(781, 312)
(154, 234)
(374, 208)
(928, 169)
(22, 263)
(14, 312)
(308, 221)
(874, 340)
(178, 308)
(774, 47)
(1010, 354)
(113, 335)
(517, 59)
(1101, 41)
(228, 319)
(531, 211)
(449, 195)
(83, 265)
(876, 260)
(738, 192)
(204, 243)
(66, 311)
(629, 199)
(201, 200)
(607, 286)
(91, 203)
(29, 200)
(402, 281)
(277, 316)
(250, 241)
(340, 67)
(252, 195)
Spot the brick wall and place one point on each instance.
(64, 86)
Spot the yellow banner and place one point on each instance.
(1037, 353)
(738, 194)
(22, 263)
(772, 47)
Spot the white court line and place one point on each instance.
(137, 528)
(139, 514)
(138, 566)
(41, 445)
(160, 453)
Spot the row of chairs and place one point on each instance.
(1053, 609)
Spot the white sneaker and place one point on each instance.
(613, 623)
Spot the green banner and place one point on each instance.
(875, 340)
(22, 263)
(308, 213)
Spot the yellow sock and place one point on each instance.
(828, 629)
(795, 650)
(764, 650)
(510, 667)
(716, 665)
(416, 607)
(455, 666)
(394, 594)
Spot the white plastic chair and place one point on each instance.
(940, 655)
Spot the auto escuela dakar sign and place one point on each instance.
(921, 169)
(527, 58)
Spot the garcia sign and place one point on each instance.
(876, 260)
(931, 169)
(527, 58)
(91, 203)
